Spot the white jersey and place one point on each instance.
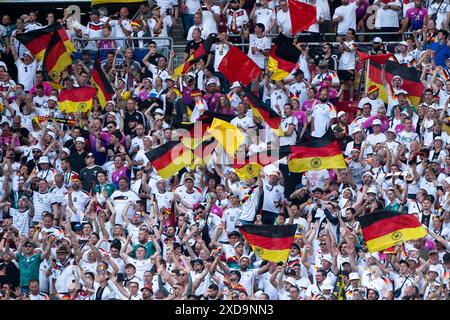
(41, 202)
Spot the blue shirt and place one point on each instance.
(442, 53)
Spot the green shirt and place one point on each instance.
(29, 268)
(150, 250)
(109, 188)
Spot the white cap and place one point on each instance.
(28, 53)
(66, 150)
(392, 130)
(353, 276)
(340, 113)
(327, 257)
(112, 102)
(433, 268)
(327, 285)
(291, 280)
(355, 130)
(36, 146)
(159, 110)
(376, 122)
(53, 98)
(211, 81)
(367, 173)
(303, 282)
(44, 159)
(404, 43)
(51, 134)
(401, 91)
(235, 84)
(377, 40)
(438, 138)
(80, 139)
(372, 190)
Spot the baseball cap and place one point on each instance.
(399, 92)
(403, 43)
(235, 84)
(356, 130)
(235, 234)
(90, 154)
(353, 276)
(433, 268)
(327, 257)
(28, 53)
(327, 285)
(211, 81)
(80, 139)
(372, 190)
(323, 63)
(377, 40)
(372, 88)
(66, 150)
(291, 280)
(148, 287)
(376, 122)
(341, 113)
(44, 159)
(53, 98)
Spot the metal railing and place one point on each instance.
(79, 42)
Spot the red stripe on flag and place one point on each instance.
(386, 226)
(268, 243)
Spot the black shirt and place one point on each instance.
(77, 161)
(88, 177)
(137, 116)
(191, 46)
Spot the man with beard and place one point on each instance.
(88, 174)
(323, 115)
(78, 198)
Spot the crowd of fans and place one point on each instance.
(85, 216)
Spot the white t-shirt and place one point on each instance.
(265, 16)
(230, 217)
(348, 12)
(117, 31)
(220, 50)
(317, 178)
(324, 8)
(442, 14)
(120, 199)
(250, 204)
(243, 123)
(285, 124)
(203, 30)
(348, 59)
(284, 22)
(322, 114)
(193, 6)
(263, 43)
(273, 195)
(387, 18)
(26, 74)
(21, 220)
(208, 19)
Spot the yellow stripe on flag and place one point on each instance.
(177, 164)
(317, 163)
(272, 255)
(75, 106)
(393, 238)
(228, 135)
(251, 170)
(278, 74)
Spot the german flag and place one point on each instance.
(410, 76)
(56, 60)
(251, 166)
(203, 152)
(201, 52)
(100, 81)
(317, 154)
(76, 100)
(383, 229)
(378, 58)
(283, 57)
(271, 243)
(37, 41)
(169, 158)
(265, 113)
(237, 66)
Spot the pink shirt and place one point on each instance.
(416, 17)
(47, 88)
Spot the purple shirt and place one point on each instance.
(301, 117)
(416, 17)
(308, 105)
(211, 100)
(361, 10)
(384, 123)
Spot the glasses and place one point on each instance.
(110, 127)
(37, 151)
(29, 246)
(323, 244)
(182, 274)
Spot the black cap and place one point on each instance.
(235, 234)
(90, 154)
(213, 286)
(96, 12)
(197, 261)
(236, 272)
(318, 190)
(298, 72)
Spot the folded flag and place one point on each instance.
(302, 15)
(76, 100)
(264, 112)
(383, 229)
(37, 41)
(317, 154)
(169, 158)
(100, 81)
(56, 60)
(237, 66)
(228, 135)
(69, 122)
(271, 243)
(410, 78)
(202, 51)
(378, 58)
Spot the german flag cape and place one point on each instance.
(383, 229)
(317, 154)
(410, 76)
(37, 40)
(271, 243)
(169, 158)
(283, 57)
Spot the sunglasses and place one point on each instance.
(37, 151)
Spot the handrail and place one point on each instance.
(96, 39)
